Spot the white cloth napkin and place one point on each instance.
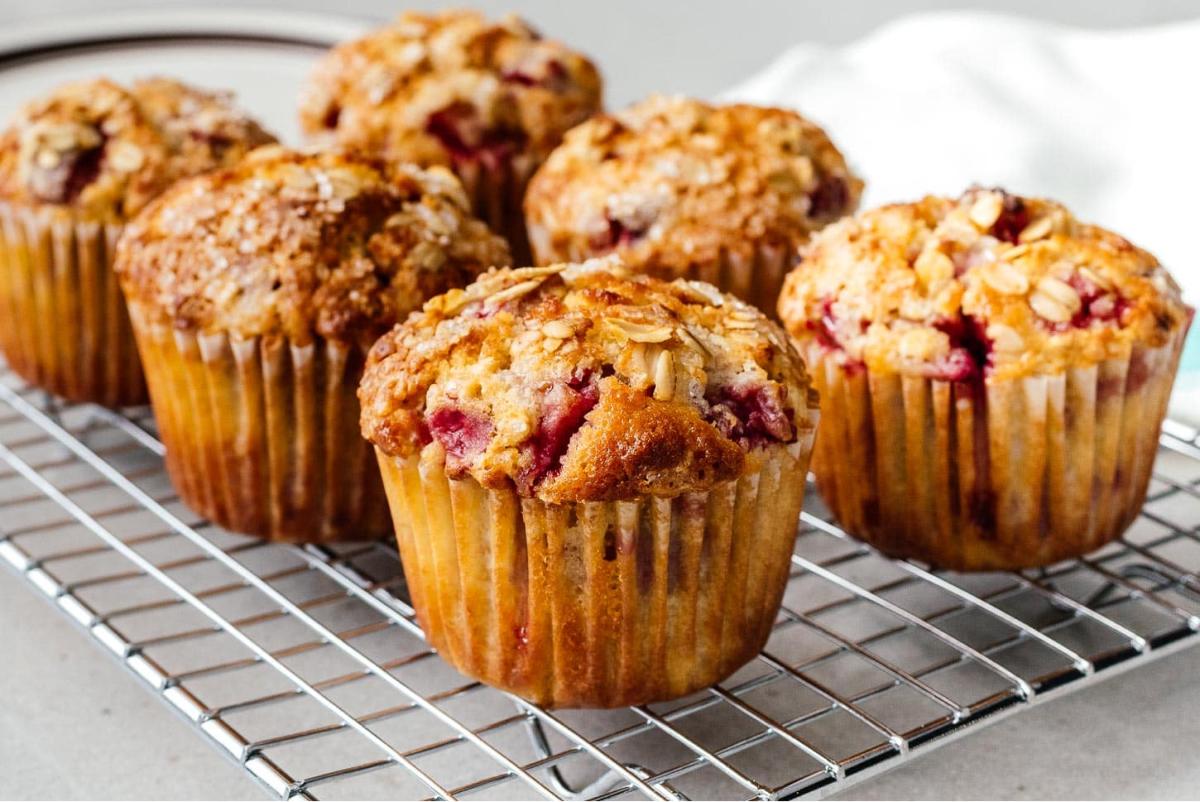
(1105, 122)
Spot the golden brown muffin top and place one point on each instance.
(336, 245)
(586, 382)
(671, 182)
(986, 284)
(450, 87)
(105, 151)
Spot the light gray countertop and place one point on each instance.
(73, 724)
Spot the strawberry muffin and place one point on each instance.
(74, 167)
(681, 188)
(488, 99)
(255, 293)
(993, 377)
(595, 478)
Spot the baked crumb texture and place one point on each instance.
(681, 188)
(595, 479)
(587, 383)
(489, 99)
(993, 376)
(74, 166)
(104, 151)
(255, 293)
(332, 245)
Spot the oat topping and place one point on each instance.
(670, 183)
(106, 151)
(586, 382)
(287, 242)
(450, 88)
(987, 285)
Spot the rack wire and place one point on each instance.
(306, 665)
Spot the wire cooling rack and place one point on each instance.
(306, 665)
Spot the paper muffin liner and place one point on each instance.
(63, 322)
(991, 476)
(756, 277)
(597, 604)
(262, 435)
(497, 194)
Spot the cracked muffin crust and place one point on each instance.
(988, 285)
(674, 185)
(333, 245)
(488, 99)
(450, 86)
(587, 383)
(105, 151)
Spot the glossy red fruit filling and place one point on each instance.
(826, 331)
(751, 414)
(618, 235)
(1013, 219)
(551, 75)
(462, 434)
(1097, 305)
(75, 170)
(970, 351)
(466, 137)
(564, 406)
(830, 197)
(332, 115)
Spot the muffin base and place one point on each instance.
(756, 277)
(63, 322)
(497, 194)
(991, 475)
(597, 604)
(262, 434)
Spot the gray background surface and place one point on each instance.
(74, 725)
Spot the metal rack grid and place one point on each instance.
(306, 665)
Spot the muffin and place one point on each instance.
(74, 167)
(255, 293)
(595, 478)
(993, 376)
(488, 99)
(680, 188)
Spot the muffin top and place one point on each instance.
(989, 284)
(586, 382)
(449, 88)
(105, 151)
(331, 244)
(672, 182)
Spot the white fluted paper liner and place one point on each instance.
(63, 322)
(990, 476)
(262, 435)
(597, 604)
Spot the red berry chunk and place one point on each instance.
(64, 182)
(564, 407)
(970, 351)
(830, 197)
(751, 414)
(617, 235)
(463, 434)
(1013, 219)
(461, 131)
